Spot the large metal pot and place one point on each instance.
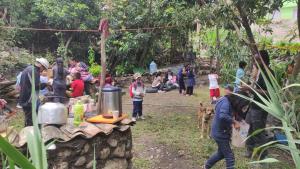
(111, 100)
(52, 113)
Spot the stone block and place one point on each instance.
(80, 162)
(119, 151)
(116, 164)
(104, 153)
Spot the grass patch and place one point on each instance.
(140, 163)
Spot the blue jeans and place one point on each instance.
(224, 152)
(137, 108)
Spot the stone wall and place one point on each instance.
(113, 151)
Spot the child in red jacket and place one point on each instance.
(77, 86)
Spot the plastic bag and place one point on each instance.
(239, 136)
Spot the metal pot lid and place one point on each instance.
(111, 89)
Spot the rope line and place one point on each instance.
(83, 30)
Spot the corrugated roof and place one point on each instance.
(68, 132)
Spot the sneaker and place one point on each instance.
(19, 106)
(133, 119)
(142, 117)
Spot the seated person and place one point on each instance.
(172, 80)
(44, 82)
(158, 82)
(77, 86)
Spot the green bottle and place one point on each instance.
(78, 113)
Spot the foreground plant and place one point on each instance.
(35, 144)
(278, 104)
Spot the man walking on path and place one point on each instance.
(26, 84)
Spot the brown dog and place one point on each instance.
(205, 115)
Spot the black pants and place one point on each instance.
(224, 152)
(28, 115)
(137, 108)
(87, 88)
(181, 85)
(257, 120)
(190, 90)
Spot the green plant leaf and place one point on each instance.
(14, 154)
(267, 160)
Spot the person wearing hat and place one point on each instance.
(138, 91)
(25, 99)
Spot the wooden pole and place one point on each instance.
(103, 71)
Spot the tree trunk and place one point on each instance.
(103, 71)
(67, 46)
(218, 43)
(296, 69)
(246, 25)
(298, 16)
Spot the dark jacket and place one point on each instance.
(25, 84)
(191, 79)
(223, 119)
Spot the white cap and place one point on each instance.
(137, 75)
(43, 62)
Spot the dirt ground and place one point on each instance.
(169, 137)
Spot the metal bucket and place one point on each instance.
(111, 100)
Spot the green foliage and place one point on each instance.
(139, 70)
(279, 68)
(94, 69)
(230, 53)
(124, 68)
(282, 108)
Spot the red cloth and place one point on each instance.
(214, 92)
(78, 88)
(104, 27)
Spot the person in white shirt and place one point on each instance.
(138, 91)
(214, 88)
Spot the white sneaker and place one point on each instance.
(142, 117)
(19, 106)
(133, 119)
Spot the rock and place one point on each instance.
(112, 142)
(86, 148)
(90, 164)
(119, 151)
(181, 153)
(64, 154)
(80, 161)
(62, 165)
(116, 164)
(4, 54)
(104, 153)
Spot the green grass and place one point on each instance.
(178, 130)
(140, 163)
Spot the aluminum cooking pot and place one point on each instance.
(52, 113)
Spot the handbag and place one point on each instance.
(239, 136)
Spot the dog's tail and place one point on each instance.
(201, 104)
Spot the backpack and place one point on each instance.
(130, 88)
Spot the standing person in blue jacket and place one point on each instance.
(221, 130)
(240, 74)
(190, 82)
